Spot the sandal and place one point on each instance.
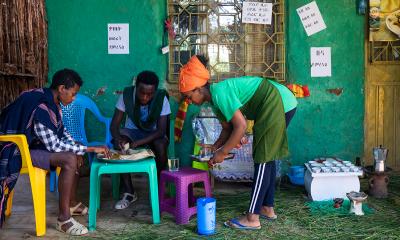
(76, 229)
(125, 201)
(74, 212)
(234, 223)
(273, 218)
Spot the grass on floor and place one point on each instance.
(295, 220)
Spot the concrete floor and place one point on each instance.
(21, 223)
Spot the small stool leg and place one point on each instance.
(182, 204)
(155, 207)
(161, 189)
(98, 191)
(192, 199)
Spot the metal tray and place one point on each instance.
(119, 160)
(207, 158)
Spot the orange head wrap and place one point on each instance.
(193, 75)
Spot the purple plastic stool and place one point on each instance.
(183, 179)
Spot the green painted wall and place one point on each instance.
(327, 124)
(78, 40)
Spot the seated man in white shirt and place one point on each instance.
(147, 110)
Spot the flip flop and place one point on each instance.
(73, 211)
(234, 223)
(265, 216)
(268, 218)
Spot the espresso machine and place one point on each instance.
(380, 154)
(379, 177)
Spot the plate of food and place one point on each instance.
(126, 155)
(393, 22)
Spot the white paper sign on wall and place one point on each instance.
(257, 12)
(118, 38)
(321, 62)
(311, 18)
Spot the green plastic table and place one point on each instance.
(147, 165)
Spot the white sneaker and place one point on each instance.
(125, 201)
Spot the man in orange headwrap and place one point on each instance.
(193, 75)
(259, 99)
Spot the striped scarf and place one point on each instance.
(180, 119)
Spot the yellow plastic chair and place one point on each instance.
(37, 178)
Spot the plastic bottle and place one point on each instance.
(206, 216)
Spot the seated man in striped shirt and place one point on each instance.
(37, 114)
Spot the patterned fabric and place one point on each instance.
(180, 119)
(18, 118)
(55, 144)
(240, 168)
(299, 91)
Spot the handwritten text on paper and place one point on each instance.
(257, 12)
(321, 62)
(118, 38)
(311, 18)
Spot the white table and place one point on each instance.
(326, 186)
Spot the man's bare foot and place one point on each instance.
(268, 211)
(250, 220)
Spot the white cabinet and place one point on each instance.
(326, 186)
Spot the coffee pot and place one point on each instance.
(380, 154)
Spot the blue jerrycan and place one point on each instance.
(206, 216)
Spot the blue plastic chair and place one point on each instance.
(74, 122)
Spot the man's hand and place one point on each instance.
(218, 157)
(119, 144)
(100, 149)
(133, 145)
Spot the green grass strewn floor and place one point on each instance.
(294, 220)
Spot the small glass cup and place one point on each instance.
(173, 164)
(205, 151)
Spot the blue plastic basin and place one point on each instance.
(296, 171)
(296, 180)
(296, 175)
